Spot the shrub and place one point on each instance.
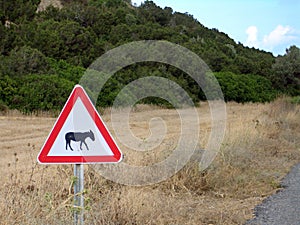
(66, 70)
(8, 89)
(245, 88)
(23, 61)
(3, 107)
(295, 100)
(42, 92)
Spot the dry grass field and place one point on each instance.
(262, 142)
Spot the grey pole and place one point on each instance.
(78, 194)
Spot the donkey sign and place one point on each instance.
(79, 135)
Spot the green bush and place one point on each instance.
(3, 107)
(42, 92)
(295, 100)
(245, 88)
(65, 70)
(22, 61)
(8, 90)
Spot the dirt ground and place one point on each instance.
(260, 146)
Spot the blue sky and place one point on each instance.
(271, 25)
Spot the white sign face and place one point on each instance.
(89, 141)
(79, 135)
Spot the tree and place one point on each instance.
(66, 40)
(8, 89)
(150, 12)
(8, 38)
(36, 92)
(286, 71)
(19, 10)
(245, 88)
(23, 61)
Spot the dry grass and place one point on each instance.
(262, 142)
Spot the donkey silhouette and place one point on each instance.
(78, 136)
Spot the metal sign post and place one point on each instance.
(78, 194)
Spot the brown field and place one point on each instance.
(262, 142)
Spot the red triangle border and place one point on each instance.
(79, 92)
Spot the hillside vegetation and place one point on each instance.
(44, 53)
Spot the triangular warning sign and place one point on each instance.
(79, 135)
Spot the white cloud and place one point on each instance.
(276, 41)
(252, 36)
(137, 2)
(280, 35)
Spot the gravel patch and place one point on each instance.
(282, 208)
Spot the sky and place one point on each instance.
(270, 25)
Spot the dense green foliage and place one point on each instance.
(42, 93)
(44, 54)
(245, 88)
(286, 75)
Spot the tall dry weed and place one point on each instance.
(258, 150)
